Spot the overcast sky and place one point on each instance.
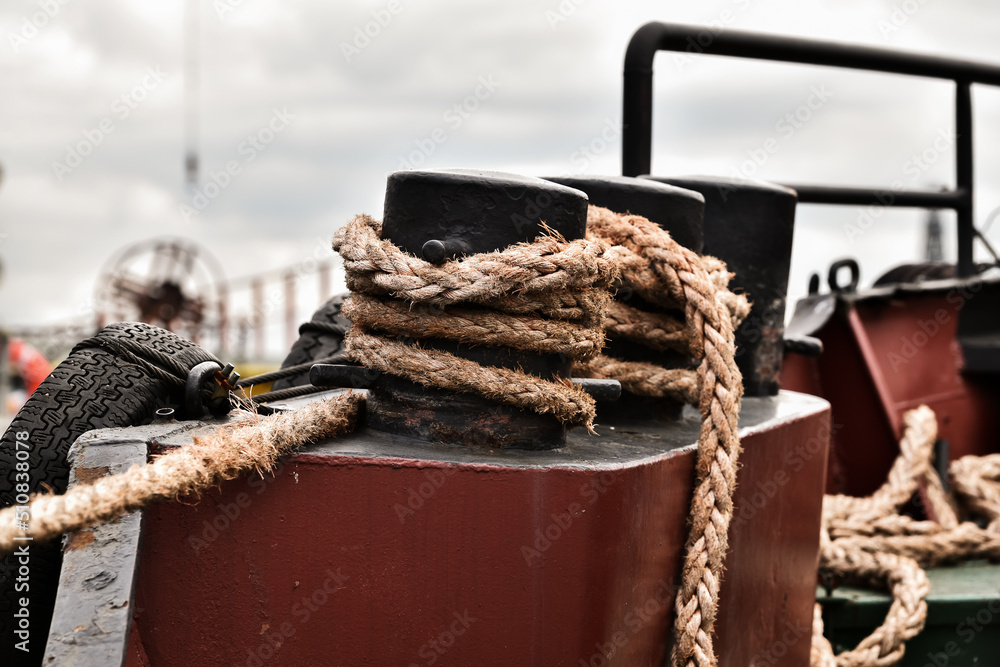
(347, 113)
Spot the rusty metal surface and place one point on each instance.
(93, 609)
(404, 408)
(375, 550)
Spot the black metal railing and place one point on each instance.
(637, 117)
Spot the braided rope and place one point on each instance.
(821, 652)
(646, 253)
(229, 451)
(666, 274)
(657, 331)
(976, 482)
(907, 613)
(644, 379)
(477, 326)
(433, 368)
(867, 541)
(520, 272)
(515, 292)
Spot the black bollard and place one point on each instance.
(748, 225)
(445, 214)
(680, 212)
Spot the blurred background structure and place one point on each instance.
(187, 162)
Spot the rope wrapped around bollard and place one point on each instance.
(548, 295)
(667, 275)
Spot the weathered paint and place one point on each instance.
(331, 530)
(887, 353)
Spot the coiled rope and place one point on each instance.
(868, 541)
(549, 296)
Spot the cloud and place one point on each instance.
(355, 119)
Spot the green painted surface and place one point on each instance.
(963, 618)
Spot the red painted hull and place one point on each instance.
(360, 553)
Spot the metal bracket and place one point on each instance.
(201, 374)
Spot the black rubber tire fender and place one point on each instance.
(92, 388)
(316, 342)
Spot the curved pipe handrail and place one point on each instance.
(637, 102)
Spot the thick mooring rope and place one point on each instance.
(668, 275)
(547, 297)
(658, 270)
(868, 541)
(231, 450)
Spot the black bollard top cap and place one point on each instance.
(440, 214)
(675, 209)
(721, 187)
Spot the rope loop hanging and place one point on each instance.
(666, 274)
(870, 541)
